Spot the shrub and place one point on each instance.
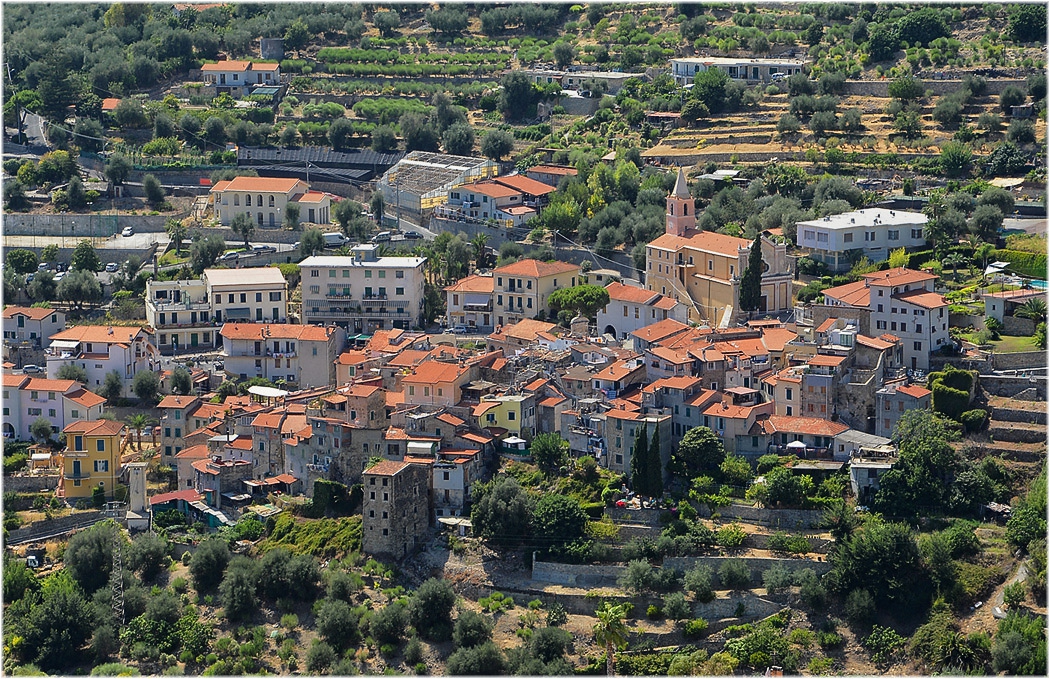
(653, 612)
(695, 628)
(734, 574)
(731, 537)
(676, 607)
(698, 580)
(811, 591)
(860, 606)
(974, 420)
(777, 578)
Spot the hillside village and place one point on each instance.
(302, 376)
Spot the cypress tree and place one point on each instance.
(656, 478)
(751, 281)
(640, 474)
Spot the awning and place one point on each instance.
(65, 344)
(239, 312)
(267, 392)
(420, 448)
(796, 444)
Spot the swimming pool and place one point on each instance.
(1038, 284)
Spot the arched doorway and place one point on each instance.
(609, 330)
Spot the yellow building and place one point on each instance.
(514, 412)
(522, 288)
(702, 269)
(92, 457)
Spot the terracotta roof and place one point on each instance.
(826, 360)
(537, 269)
(527, 329)
(94, 428)
(434, 372)
(887, 337)
(704, 397)
(552, 401)
(898, 276)
(352, 358)
(262, 184)
(536, 384)
(776, 338)
(113, 334)
(194, 452)
(202, 466)
(665, 303)
(618, 292)
(873, 342)
(671, 355)
(386, 468)
(515, 210)
(624, 414)
(42, 384)
(110, 104)
(275, 331)
(189, 495)
(268, 420)
(490, 189)
(827, 325)
(449, 418)
(473, 283)
(294, 424)
(86, 398)
(927, 300)
(914, 390)
(553, 169)
(259, 66)
(240, 443)
(312, 197)
(856, 294)
(229, 65)
(14, 380)
(720, 409)
(526, 185)
(483, 407)
(660, 330)
(681, 382)
(394, 398)
(283, 478)
(174, 401)
(803, 425)
(705, 241)
(35, 313)
(477, 438)
(408, 357)
(361, 390)
(617, 371)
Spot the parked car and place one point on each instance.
(112, 267)
(263, 248)
(413, 235)
(128, 231)
(43, 266)
(32, 369)
(30, 277)
(383, 237)
(335, 240)
(460, 330)
(59, 276)
(229, 257)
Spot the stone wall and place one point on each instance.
(1022, 327)
(822, 312)
(86, 225)
(649, 517)
(758, 565)
(42, 529)
(1014, 387)
(29, 484)
(965, 321)
(880, 88)
(779, 519)
(1019, 360)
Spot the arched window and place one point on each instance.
(248, 199)
(685, 209)
(271, 201)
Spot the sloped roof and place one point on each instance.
(923, 298)
(856, 294)
(34, 313)
(537, 269)
(660, 330)
(618, 292)
(803, 425)
(473, 283)
(898, 276)
(94, 427)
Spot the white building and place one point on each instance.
(631, 308)
(875, 231)
(239, 77)
(301, 354)
(187, 314)
(61, 402)
(468, 302)
(684, 69)
(31, 324)
(100, 350)
(363, 292)
(904, 304)
(264, 199)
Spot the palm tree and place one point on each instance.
(137, 423)
(1034, 308)
(478, 242)
(611, 630)
(177, 232)
(954, 260)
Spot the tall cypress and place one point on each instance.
(640, 475)
(751, 280)
(656, 476)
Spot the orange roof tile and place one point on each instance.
(352, 357)
(483, 407)
(176, 401)
(94, 428)
(721, 409)
(394, 398)
(536, 269)
(704, 241)
(263, 184)
(553, 169)
(114, 334)
(617, 371)
(618, 292)
(240, 444)
(35, 313)
(228, 66)
(827, 325)
(110, 104)
(477, 438)
(922, 298)
(914, 390)
(677, 356)
(268, 420)
(434, 372)
(14, 380)
(887, 337)
(258, 66)
(776, 338)
(681, 382)
(42, 384)
(898, 276)
(536, 384)
(552, 401)
(361, 390)
(490, 189)
(660, 330)
(86, 398)
(665, 303)
(313, 197)
(856, 294)
(803, 425)
(873, 343)
(276, 331)
(526, 185)
(473, 283)
(527, 329)
(449, 418)
(386, 468)
(826, 360)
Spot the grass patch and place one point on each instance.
(323, 538)
(976, 580)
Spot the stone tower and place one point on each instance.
(681, 212)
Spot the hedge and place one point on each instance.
(1031, 264)
(948, 401)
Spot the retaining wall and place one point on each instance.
(1015, 387)
(757, 564)
(1019, 360)
(87, 225)
(29, 484)
(1023, 327)
(780, 519)
(1014, 434)
(41, 529)
(1016, 415)
(880, 88)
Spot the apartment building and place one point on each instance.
(436, 383)
(631, 308)
(523, 287)
(60, 402)
(396, 508)
(702, 269)
(621, 430)
(684, 69)
(100, 350)
(264, 199)
(902, 303)
(303, 355)
(32, 325)
(363, 292)
(514, 412)
(188, 314)
(468, 303)
(91, 458)
(874, 231)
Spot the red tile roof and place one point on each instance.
(188, 495)
(114, 334)
(803, 425)
(705, 241)
(681, 382)
(35, 313)
(449, 418)
(490, 189)
(434, 372)
(660, 330)
(386, 468)
(898, 276)
(193, 453)
(42, 384)
(914, 390)
(276, 331)
(552, 401)
(852, 294)
(827, 325)
(524, 184)
(922, 298)
(537, 269)
(553, 169)
(528, 329)
(473, 283)
(174, 401)
(262, 184)
(873, 343)
(826, 360)
(228, 66)
(86, 398)
(94, 428)
(618, 292)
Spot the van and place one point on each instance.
(335, 240)
(383, 237)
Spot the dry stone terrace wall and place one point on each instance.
(29, 484)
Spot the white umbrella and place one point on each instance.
(796, 444)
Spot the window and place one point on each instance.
(100, 445)
(822, 238)
(382, 273)
(847, 238)
(809, 235)
(918, 328)
(399, 291)
(315, 273)
(50, 412)
(368, 274)
(258, 297)
(893, 235)
(880, 325)
(880, 308)
(917, 346)
(101, 465)
(399, 274)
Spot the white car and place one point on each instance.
(128, 231)
(112, 267)
(229, 256)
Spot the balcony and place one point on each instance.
(345, 294)
(478, 307)
(367, 297)
(70, 476)
(160, 305)
(807, 453)
(189, 324)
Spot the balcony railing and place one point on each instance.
(189, 324)
(808, 453)
(180, 306)
(376, 296)
(70, 476)
(478, 307)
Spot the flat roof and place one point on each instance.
(258, 275)
(733, 61)
(867, 218)
(339, 261)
